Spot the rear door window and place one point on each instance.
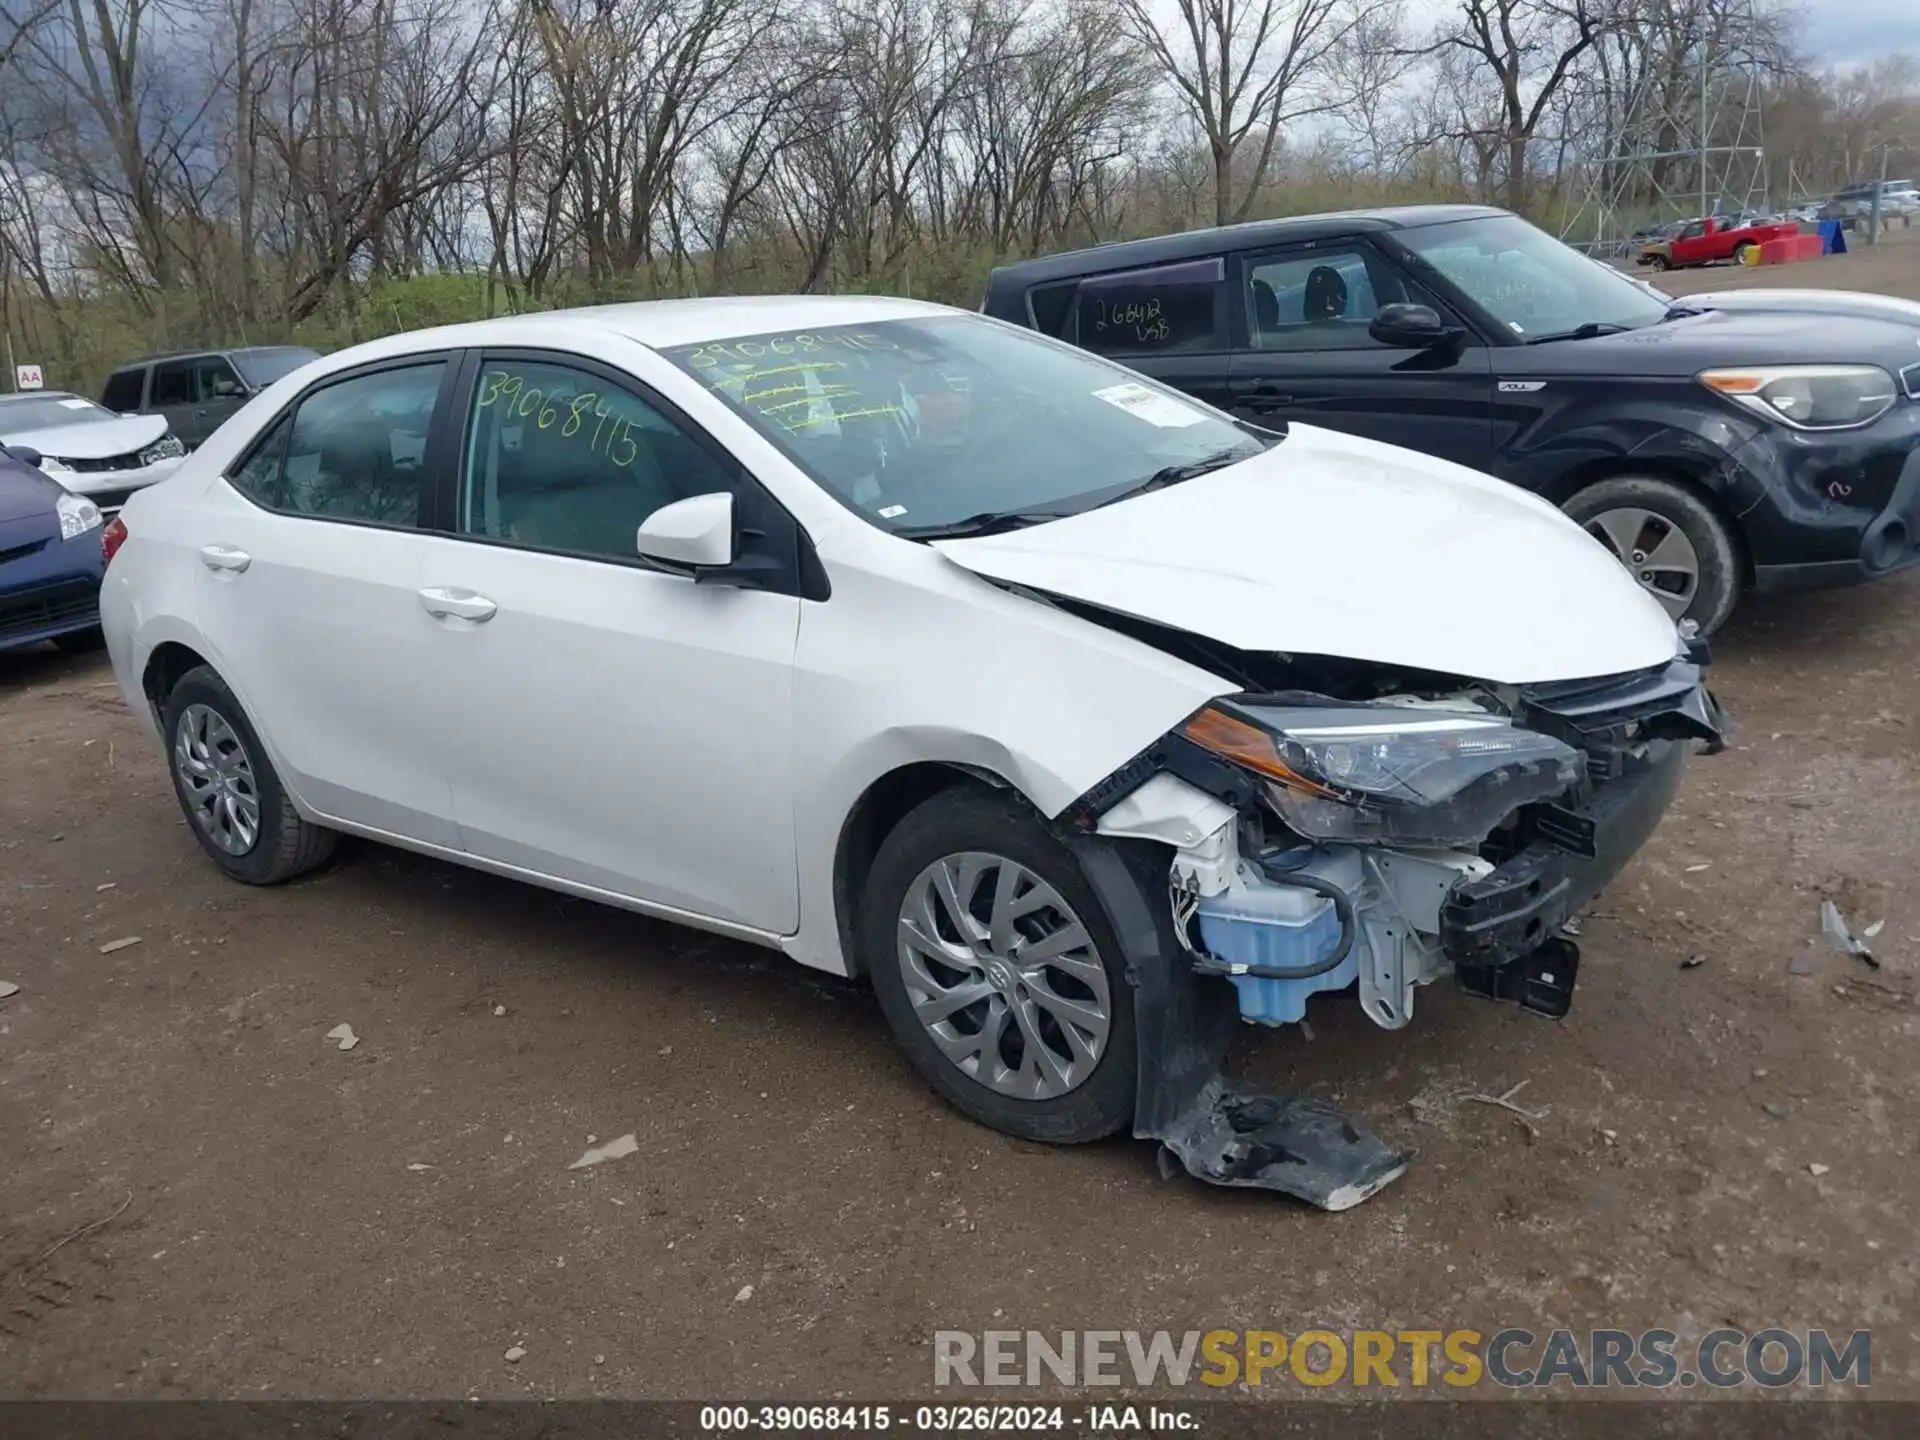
(355, 449)
(1160, 310)
(122, 392)
(173, 383)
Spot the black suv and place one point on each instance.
(1755, 438)
(198, 389)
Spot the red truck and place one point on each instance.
(1702, 242)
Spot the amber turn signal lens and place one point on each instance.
(1245, 745)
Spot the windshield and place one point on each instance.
(44, 412)
(262, 367)
(1530, 282)
(933, 421)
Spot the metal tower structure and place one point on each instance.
(1674, 152)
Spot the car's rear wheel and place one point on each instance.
(998, 971)
(1745, 253)
(234, 802)
(1673, 542)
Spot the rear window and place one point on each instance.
(262, 367)
(122, 392)
(1162, 310)
(1052, 308)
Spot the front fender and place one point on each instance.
(1720, 452)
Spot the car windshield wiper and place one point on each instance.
(1681, 312)
(987, 522)
(1173, 474)
(1587, 331)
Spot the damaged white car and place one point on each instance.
(1081, 718)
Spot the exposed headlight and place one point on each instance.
(1808, 397)
(49, 465)
(1385, 774)
(77, 515)
(167, 447)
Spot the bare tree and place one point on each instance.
(1527, 50)
(1244, 70)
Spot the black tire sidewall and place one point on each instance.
(969, 818)
(203, 686)
(1714, 540)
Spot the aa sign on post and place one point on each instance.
(27, 377)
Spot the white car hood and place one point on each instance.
(92, 439)
(1332, 545)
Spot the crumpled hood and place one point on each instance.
(92, 439)
(1329, 544)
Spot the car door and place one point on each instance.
(1310, 356)
(614, 726)
(173, 392)
(1167, 321)
(218, 393)
(310, 557)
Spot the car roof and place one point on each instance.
(211, 350)
(1190, 244)
(19, 395)
(657, 324)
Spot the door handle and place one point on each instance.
(1264, 399)
(445, 604)
(224, 557)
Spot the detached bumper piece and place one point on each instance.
(1305, 1147)
(1217, 1129)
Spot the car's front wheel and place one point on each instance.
(234, 802)
(1672, 541)
(998, 971)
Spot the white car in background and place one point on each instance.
(89, 449)
(1080, 717)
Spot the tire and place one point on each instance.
(959, 831)
(1607, 511)
(1741, 251)
(1659, 263)
(80, 642)
(280, 844)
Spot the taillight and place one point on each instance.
(112, 538)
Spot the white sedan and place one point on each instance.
(89, 449)
(1078, 716)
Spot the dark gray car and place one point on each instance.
(198, 389)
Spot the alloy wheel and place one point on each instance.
(216, 776)
(1655, 551)
(1004, 976)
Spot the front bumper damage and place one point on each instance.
(1494, 920)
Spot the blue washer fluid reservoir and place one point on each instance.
(1259, 922)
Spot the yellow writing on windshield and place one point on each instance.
(798, 395)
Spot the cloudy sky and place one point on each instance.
(1841, 32)
(1855, 31)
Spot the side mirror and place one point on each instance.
(26, 455)
(691, 534)
(1411, 327)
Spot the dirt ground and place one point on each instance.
(248, 1210)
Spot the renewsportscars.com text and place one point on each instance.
(1513, 1358)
